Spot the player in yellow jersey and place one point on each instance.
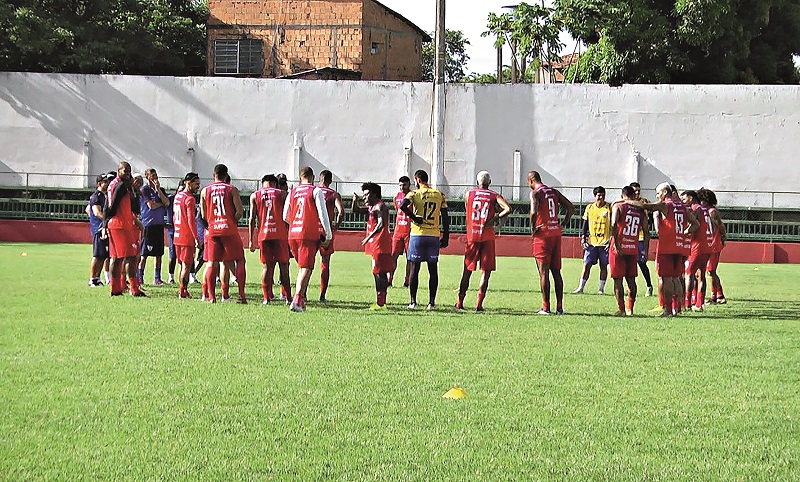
(426, 208)
(595, 239)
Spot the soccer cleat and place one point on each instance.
(628, 313)
(721, 301)
(241, 300)
(544, 312)
(697, 309)
(578, 291)
(120, 293)
(323, 300)
(140, 294)
(665, 314)
(185, 296)
(297, 308)
(601, 292)
(265, 302)
(412, 305)
(649, 291)
(430, 307)
(479, 309)
(159, 282)
(95, 282)
(560, 311)
(620, 313)
(377, 307)
(459, 305)
(225, 300)
(171, 281)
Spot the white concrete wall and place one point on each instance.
(728, 138)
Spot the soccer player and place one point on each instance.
(627, 221)
(481, 204)
(709, 200)
(595, 239)
(99, 239)
(332, 200)
(221, 207)
(304, 212)
(701, 248)
(643, 248)
(378, 242)
(124, 231)
(170, 225)
(402, 230)
(546, 230)
(154, 205)
(186, 238)
(425, 207)
(672, 224)
(266, 215)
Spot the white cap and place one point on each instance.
(483, 178)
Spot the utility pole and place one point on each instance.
(437, 174)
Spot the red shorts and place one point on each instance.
(185, 254)
(400, 244)
(623, 265)
(123, 243)
(326, 251)
(696, 262)
(669, 265)
(481, 251)
(223, 248)
(382, 263)
(713, 261)
(305, 252)
(548, 251)
(274, 251)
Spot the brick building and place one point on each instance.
(344, 39)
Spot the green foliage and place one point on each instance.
(149, 37)
(455, 61)
(685, 41)
(99, 388)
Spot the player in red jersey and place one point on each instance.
(186, 238)
(701, 249)
(124, 232)
(378, 242)
(627, 221)
(266, 214)
(332, 200)
(709, 200)
(304, 212)
(546, 229)
(402, 230)
(481, 204)
(221, 207)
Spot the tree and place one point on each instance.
(532, 33)
(685, 41)
(151, 37)
(456, 57)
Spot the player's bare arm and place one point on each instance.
(646, 231)
(405, 206)
(533, 213)
(694, 225)
(505, 210)
(237, 203)
(356, 206)
(614, 222)
(567, 205)
(445, 240)
(203, 206)
(718, 224)
(337, 202)
(253, 221)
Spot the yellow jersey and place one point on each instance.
(427, 203)
(599, 223)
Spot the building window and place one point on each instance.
(374, 49)
(238, 56)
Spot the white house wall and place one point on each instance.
(728, 138)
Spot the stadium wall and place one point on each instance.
(727, 138)
(508, 245)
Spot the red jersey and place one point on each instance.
(684, 240)
(670, 229)
(703, 238)
(381, 243)
(481, 205)
(303, 218)
(184, 218)
(269, 203)
(629, 224)
(220, 210)
(402, 225)
(547, 212)
(330, 202)
(123, 218)
(716, 241)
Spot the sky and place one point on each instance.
(469, 16)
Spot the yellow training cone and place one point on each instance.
(24, 254)
(455, 393)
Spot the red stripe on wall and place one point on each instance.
(12, 230)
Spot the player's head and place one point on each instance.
(283, 184)
(221, 172)
(689, 197)
(306, 174)
(405, 184)
(325, 177)
(637, 189)
(191, 182)
(673, 190)
(420, 177)
(138, 180)
(269, 180)
(628, 192)
(484, 179)
(663, 191)
(151, 175)
(534, 179)
(102, 182)
(124, 171)
(371, 192)
(599, 194)
(707, 196)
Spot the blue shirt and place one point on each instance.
(151, 217)
(97, 199)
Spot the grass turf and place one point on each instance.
(95, 388)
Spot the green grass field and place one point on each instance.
(95, 388)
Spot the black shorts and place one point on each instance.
(99, 246)
(153, 243)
